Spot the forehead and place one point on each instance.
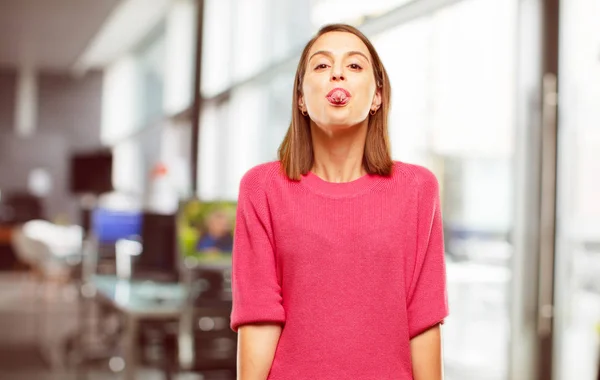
(339, 43)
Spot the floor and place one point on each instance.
(21, 331)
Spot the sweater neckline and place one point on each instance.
(340, 189)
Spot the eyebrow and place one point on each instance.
(329, 54)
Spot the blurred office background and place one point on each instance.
(175, 99)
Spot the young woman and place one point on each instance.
(338, 257)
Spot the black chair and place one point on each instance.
(21, 207)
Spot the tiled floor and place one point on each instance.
(21, 331)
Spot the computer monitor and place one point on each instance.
(91, 172)
(159, 258)
(206, 230)
(110, 225)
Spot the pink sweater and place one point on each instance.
(352, 271)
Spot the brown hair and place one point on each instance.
(296, 150)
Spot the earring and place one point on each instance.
(373, 112)
(304, 113)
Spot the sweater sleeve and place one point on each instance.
(256, 289)
(427, 299)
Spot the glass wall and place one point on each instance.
(247, 91)
(145, 91)
(331, 11)
(577, 286)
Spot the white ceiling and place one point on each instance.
(49, 34)
(129, 23)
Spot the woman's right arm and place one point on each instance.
(256, 350)
(257, 313)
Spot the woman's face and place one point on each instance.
(218, 224)
(339, 86)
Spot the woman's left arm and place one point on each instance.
(427, 296)
(426, 354)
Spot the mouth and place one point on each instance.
(338, 96)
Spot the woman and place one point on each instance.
(338, 258)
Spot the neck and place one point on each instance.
(338, 152)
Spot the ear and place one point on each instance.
(376, 103)
(301, 104)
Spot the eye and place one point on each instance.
(321, 66)
(355, 66)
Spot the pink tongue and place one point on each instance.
(338, 96)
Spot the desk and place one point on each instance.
(139, 300)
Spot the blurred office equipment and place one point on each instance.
(108, 226)
(169, 317)
(159, 259)
(16, 208)
(205, 343)
(47, 247)
(154, 233)
(91, 173)
(133, 281)
(144, 311)
(54, 253)
(7, 256)
(20, 207)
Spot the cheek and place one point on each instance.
(312, 86)
(367, 99)
(367, 89)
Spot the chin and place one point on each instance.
(336, 125)
(339, 116)
(340, 123)
(343, 120)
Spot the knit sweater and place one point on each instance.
(351, 271)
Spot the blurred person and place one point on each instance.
(338, 258)
(217, 233)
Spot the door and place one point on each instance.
(577, 280)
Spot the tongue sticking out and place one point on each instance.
(338, 96)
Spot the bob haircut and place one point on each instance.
(296, 150)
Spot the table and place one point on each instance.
(139, 300)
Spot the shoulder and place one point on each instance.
(420, 177)
(259, 176)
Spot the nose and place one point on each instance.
(337, 74)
